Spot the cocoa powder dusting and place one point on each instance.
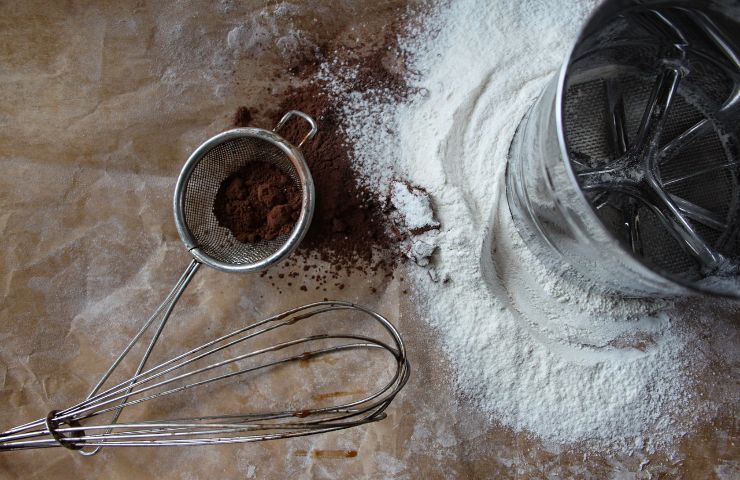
(258, 202)
(348, 223)
(350, 229)
(242, 117)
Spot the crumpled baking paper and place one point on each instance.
(101, 104)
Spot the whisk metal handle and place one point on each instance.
(166, 306)
(52, 425)
(307, 118)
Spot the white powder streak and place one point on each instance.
(414, 207)
(532, 351)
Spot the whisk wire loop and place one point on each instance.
(73, 427)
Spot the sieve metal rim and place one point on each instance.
(299, 229)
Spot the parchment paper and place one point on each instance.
(101, 104)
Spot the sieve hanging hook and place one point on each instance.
(311, 122)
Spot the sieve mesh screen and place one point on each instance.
(200, 194)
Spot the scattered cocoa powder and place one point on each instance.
(242, 117)
(348, 223)
(350, 229)
(258, 202)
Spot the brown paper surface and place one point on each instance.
(101, 104)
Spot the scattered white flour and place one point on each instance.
(414, 207)
(534, 351)
(414, 215)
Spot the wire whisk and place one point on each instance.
(238, 355)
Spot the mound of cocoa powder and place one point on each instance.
(257, 202)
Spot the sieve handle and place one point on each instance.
(311, 121)
(162, 313)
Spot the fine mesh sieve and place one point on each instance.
(627, 165)
(201, 177)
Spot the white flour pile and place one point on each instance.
(532, 351)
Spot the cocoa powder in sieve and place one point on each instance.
(258, 202)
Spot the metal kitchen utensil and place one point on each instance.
(208, 242)
(210, 365)
(627, 165)
(201, 177)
